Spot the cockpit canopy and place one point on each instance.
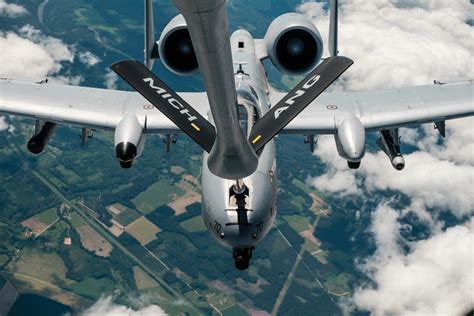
(247, 107)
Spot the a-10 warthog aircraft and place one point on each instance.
(238, 116)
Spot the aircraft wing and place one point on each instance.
(385, 109)
(87, 107)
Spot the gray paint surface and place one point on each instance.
(347, 115)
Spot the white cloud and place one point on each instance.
(438, 183)
(435, 183)
(106, 307)
(338, 178)
(434, 277)
(458, 146)
(89, 59)
(111, 79)
(32, 55)
(54, 46)
(5, 126)
(401, 43)
(398, 43)
(11, 10)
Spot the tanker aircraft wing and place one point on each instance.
(88, 107)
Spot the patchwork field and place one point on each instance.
(38, 223)
(49, 216)
(159, 193)
(94, 242)
(297, 222)
(77, 221)
(194, 224)
(34, 224)
(127, 216)
(40, 265)
(222, 301)
(143, 281)
(177, 169)
(26, 285)
(93, 288)
(8, 295)
(179, 205)
(143, 230)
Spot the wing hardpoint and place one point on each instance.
(167, 101)
(297, 100)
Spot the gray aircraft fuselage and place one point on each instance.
(240, 223)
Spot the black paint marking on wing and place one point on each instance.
(167, 101)
(297, 100)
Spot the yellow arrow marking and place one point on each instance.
(195, 127)
(256, 139)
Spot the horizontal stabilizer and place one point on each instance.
(297, 100)
(167, 101)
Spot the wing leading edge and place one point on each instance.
(103, 109)
(87, 107)
(385, 109)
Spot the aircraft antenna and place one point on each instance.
(333, 27)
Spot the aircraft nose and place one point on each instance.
(126, 151)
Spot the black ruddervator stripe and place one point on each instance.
(167, 101)
(297, 99)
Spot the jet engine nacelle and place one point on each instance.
(176, 49)
(294, 44)
(350, 140)
(129, 140)
(43, 134)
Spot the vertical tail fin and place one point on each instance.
(333, 24)
(149, 34)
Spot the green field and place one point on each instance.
(69, 176)
(234, 311)
(142, 280)
(93, 288)
(47, 267)
(194, 224)
(77, 221)
(3, 259)
(298, 202)
(159, 193)
(196, 299)
(143, 230)
(55, 232)
(48, 217)
(339, 283)
(222, 301)
(311, 247)
(300, 185)
(127, 216)
(297, 222)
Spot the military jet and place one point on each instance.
(236, 119)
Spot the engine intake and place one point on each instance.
(294, 44)
(129, 140)
(125, 153)
(38, 142)
(176, 48)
